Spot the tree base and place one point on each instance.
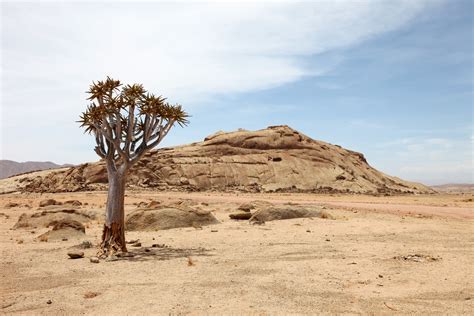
(113, 239)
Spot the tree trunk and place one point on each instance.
(113, 235)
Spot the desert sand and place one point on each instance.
(374, 255)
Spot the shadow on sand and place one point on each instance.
(161, 252)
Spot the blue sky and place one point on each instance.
(391, 79)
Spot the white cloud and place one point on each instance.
(188, 51)
(431, 160)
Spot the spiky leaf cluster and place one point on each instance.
(128, 121)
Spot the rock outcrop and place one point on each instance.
(276, 159)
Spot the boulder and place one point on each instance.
(52, 217)
(64, 230)
(288, 212)
(167, 218)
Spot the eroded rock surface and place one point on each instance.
(168, 218)
(276, 159)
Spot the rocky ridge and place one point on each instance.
(276, 159)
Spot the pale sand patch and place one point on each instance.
(345, 265)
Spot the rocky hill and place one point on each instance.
(276, 159)
(10, 168)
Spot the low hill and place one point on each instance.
(10, 168)
(276, 159)
(455, 188)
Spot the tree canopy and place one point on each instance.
(128, 121)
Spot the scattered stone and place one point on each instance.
(11, 204)
(64, 239)
(133, 241)
(159, 246)
(417, 258)
(214, 230)
(308, 231)
(380, 276)
(73, 202)
(49, 302)
(137, 244)
(328, 239)
(125, 255)
(90, 294)
(147, 250)
(75, 254)
(94, 259)
(241, 216)
(48, 202)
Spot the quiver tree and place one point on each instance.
(127, 122)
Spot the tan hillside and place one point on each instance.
(276, 159)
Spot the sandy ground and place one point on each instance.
(351, 264)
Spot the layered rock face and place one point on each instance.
(276, 159)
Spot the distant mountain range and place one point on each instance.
(10, 168)
(455, 188)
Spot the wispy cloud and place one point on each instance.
(188, 51)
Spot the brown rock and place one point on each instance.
(167, 218)
(241, 216)
(286, 212)
(75, 254)
(73, 203)
(48, 202)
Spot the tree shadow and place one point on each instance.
(162, 252)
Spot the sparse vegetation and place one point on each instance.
(127, 122)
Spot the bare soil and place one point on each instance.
(379, 255)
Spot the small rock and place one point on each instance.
(241, 216)
(75, 254)
(380, 276)
(94, 260)
(147, 250)
(328, 239)
(49, 302)
(73, 202)
(214, 230)
(133, 241)
(48, 202)
(137, 244)
(158, 246)
(64, 239)
(308, 231)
